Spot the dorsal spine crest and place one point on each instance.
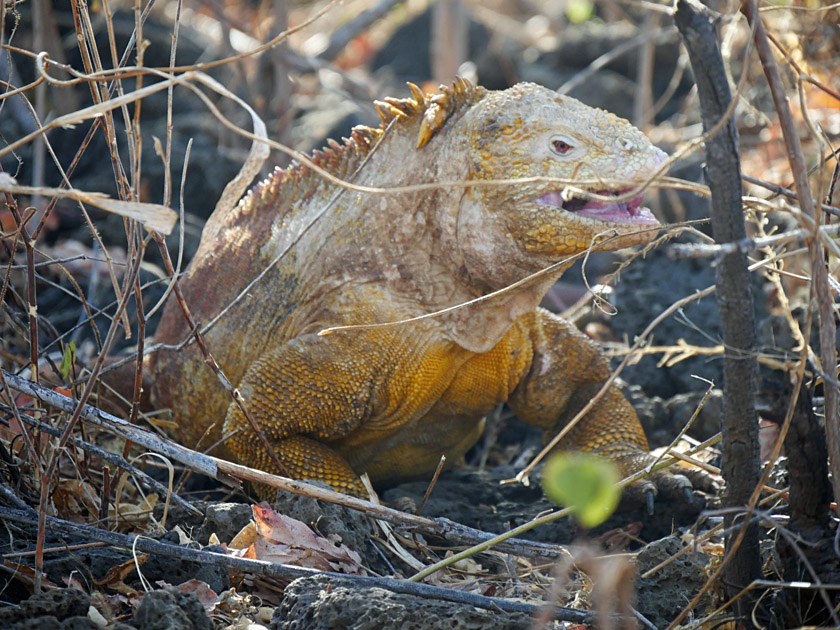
(433, 112)
(443, 105)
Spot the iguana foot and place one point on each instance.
(675, 484)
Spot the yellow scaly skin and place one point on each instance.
(390, 401)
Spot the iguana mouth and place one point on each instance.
(624, 211)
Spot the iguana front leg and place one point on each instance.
(302, 395)
(566, 372)
(347, 403)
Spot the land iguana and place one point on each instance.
(391, 400)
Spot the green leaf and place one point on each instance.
(68, 359)
(578, 11)
(583, 482)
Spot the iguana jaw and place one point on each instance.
(622, 211)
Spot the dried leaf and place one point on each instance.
(151, 215)
(289, 541)
(116, 574)
(467, 565)
(202, 591)
(246, 537)
(134, 513)
(76, 499)
(287, 554)
(26, 574)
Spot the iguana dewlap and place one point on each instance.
(390, 401)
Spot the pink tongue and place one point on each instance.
(625, 211)
(620, 212)
(625, 206)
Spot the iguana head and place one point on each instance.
(530, 131)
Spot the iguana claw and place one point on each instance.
(649, 499)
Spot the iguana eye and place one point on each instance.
(561, 145)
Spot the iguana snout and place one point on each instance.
(578, 174)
